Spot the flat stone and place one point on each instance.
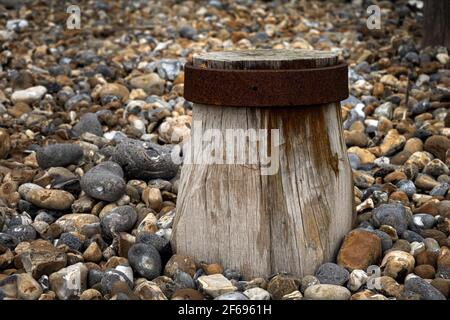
(327, 292)
(215, 285)
(52, 199)
(29, 95)
(359, 250)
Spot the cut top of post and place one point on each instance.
(266, 78)
(268, 59)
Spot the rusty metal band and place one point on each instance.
(266, 88)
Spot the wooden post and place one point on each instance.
(436, 28)
(290, 221)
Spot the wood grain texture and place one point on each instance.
(291, 221)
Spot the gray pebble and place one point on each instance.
(386, 241)
(111, 277)
(232, 296)
(58, 155)
(145, 260)
(88, 123)
(119, 219)
(331, 273)
(144, 160)
(104, 182)
(393, 215)
(425, 290)
(22, 232)
(407, 186)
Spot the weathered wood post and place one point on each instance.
(436, 23)
(293, 216)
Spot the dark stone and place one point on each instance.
(145, 260)
(232, 274)
(111, 277)
(8, 240)
(144, 160)
(88, 123)
(72, 241)
(119, 219)
(411, 236)
(331, 273)
(22, 232)
(425, 290)
(386, 241)
(58, 155)
(183, 280)
(104, 182)
(393, 215)
(407, 186)
(94, 277)
(159, 243)
(187, 32)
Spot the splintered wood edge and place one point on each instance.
(266, 59)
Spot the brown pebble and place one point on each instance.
(425, 271)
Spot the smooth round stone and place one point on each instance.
(22, 232)
(58, 155)
(159, 243)
(386, 241)
(407, 186)
(412, 236)
(8, 240)
(232, 296)
(144, 160)
(440, 190)
(119, 219)
(88, 123)
(183, 280)
(393, 215)
(331, 273)
(51, 199)
(111, 277)
(327, 292)
(145, 260)
(423, 221)
(104, 182)
(72, 241)
(26, 187)
(425, 290)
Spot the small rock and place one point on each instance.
(88, 123)
(143, 160)
(148, 290)
(397, 264)
(308, 281)
(115, 279)
(29, 95)
(187, 294)
(357, 279)
(436, 168)
(359, 250)
(393, 215)
(145, 260)
(27, 287)
(119, 219)
(257, 294)
(151, 83)
(104, 182)
(327, 292)
(425, 290)
(41, 257)
(215, 285)
(69, 282)
(50, 199)
(93, 253)
(91, 294)
(280, 285)
(389, 287)
(58, 155)
(180, 262)
(116, 90)
(438, 146)
(425, 271)
(152, 198)
(331, 273)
